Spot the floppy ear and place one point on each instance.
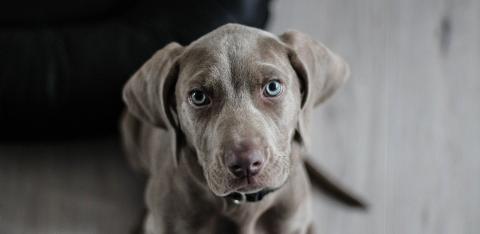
(321, 73)
(149, 92)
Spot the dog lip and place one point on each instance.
(248, 185)
(249, 190)
(248, 180)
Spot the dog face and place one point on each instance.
(238, 100)
(237, 96)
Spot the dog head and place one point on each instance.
(237, 97)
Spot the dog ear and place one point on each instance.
(321, 73)
(149, 94)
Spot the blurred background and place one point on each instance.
(404, 132)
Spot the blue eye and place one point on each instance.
(273, 88)
(199, 98)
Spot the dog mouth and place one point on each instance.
(223, 183)
(248, 184)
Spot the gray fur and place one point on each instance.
(181, 147)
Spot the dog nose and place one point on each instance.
(245, 160)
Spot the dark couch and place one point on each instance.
(63, 63)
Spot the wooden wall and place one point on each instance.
(404, 132)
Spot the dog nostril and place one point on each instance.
(238, 171)
(255, 167)
(235, 168)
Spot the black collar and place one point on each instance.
(239, 198)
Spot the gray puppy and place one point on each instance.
(220, 127)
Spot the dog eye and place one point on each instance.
(199, 98)
(273, 88)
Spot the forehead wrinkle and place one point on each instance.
(237, 76)
(240, 52)
(219, 74)
(206, 75)
(245, 75)
(270, 67)
(211, 75)
(245, 58)
(271, 50)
